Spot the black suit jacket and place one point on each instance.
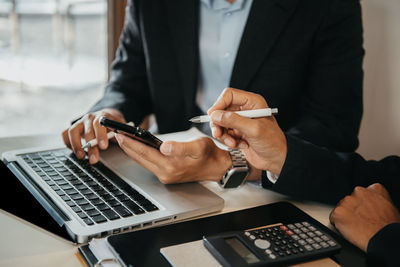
(316, 173)
(302, 56)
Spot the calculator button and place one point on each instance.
(284, 228)
(281, 254)
(325, 238)
(262, 244)
(317, 239)
(316, 246)
(305, 230)
(252, 237)
(302, 242)
(331, 243)
(272, 256)
(301, 250)
(308, 247)
(312, 228)
(305, 223)
(295, 251)
(288, 252)
(298, 225)
(268, 251)
(310, 234)
(304, 236)
(318, 233)
(324, 244)
(288, 232)
(247, 233)
(295, 237)
(291, 226)
(310, 241)
(297, 231)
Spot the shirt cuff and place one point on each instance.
(272, 177)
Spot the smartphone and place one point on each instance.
(134, 132)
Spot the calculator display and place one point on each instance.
(241, 249)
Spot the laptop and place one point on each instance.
(113, 196)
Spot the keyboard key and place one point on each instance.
(61, 182)
(82, 215)
(88, 221)
(122, 211)
(123, 198)
(66, 187)
(111, 215)
(82, 202)
(97, 202)
(87, 207)
(92, 213)
(132, 206)
(99, 219)
(91, 196)
(103, 207)
(71, 191)
(76, 209)
(113, 203)
(70, 203)
(65, 198)
(76, 196)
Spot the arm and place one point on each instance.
(369, 220)
(316, 173)
(128, 90)
(331, 107)
(384, 246)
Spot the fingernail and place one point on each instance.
(93, 159)
(102, 144)
(166, 149)
(243, 145)
(217, 115)
(119, 138)
(228, 142)
(213, 131)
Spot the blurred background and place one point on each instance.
(55, 56)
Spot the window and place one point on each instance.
(53, 62)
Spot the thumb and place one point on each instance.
(379, 189)
(228, 119)
(183, 149)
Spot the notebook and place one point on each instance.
(142, 248)
(113, 196)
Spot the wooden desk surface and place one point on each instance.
(24, 244)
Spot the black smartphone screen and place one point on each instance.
(135, 132)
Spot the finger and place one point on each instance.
(228, 140)
(194, 149)
(74, 134)
(100, 133)
(380, 189)
(93, 152)
(143, 154)
(65, 138)
(246, 126)
(235, 97)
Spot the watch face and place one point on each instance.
(236, 179)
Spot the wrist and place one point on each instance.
(223, 163)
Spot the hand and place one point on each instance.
(261, 140)
(89, 128)
(360, 216)
(179, 162)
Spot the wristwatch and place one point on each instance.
(236, 175)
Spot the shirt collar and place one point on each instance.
(223, 4)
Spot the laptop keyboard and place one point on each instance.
(96, 197)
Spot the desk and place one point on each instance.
(24, 244)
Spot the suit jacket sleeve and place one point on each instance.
(315, 173)
(384, 246)
(128, 89)
(331, 109)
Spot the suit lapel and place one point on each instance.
(266, 20)
(183, 21)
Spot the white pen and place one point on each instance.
(254, 113)
(110, 135)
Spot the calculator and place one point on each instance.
(272, 245)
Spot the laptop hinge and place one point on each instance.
(58, 215)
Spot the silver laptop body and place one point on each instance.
(172, 202)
